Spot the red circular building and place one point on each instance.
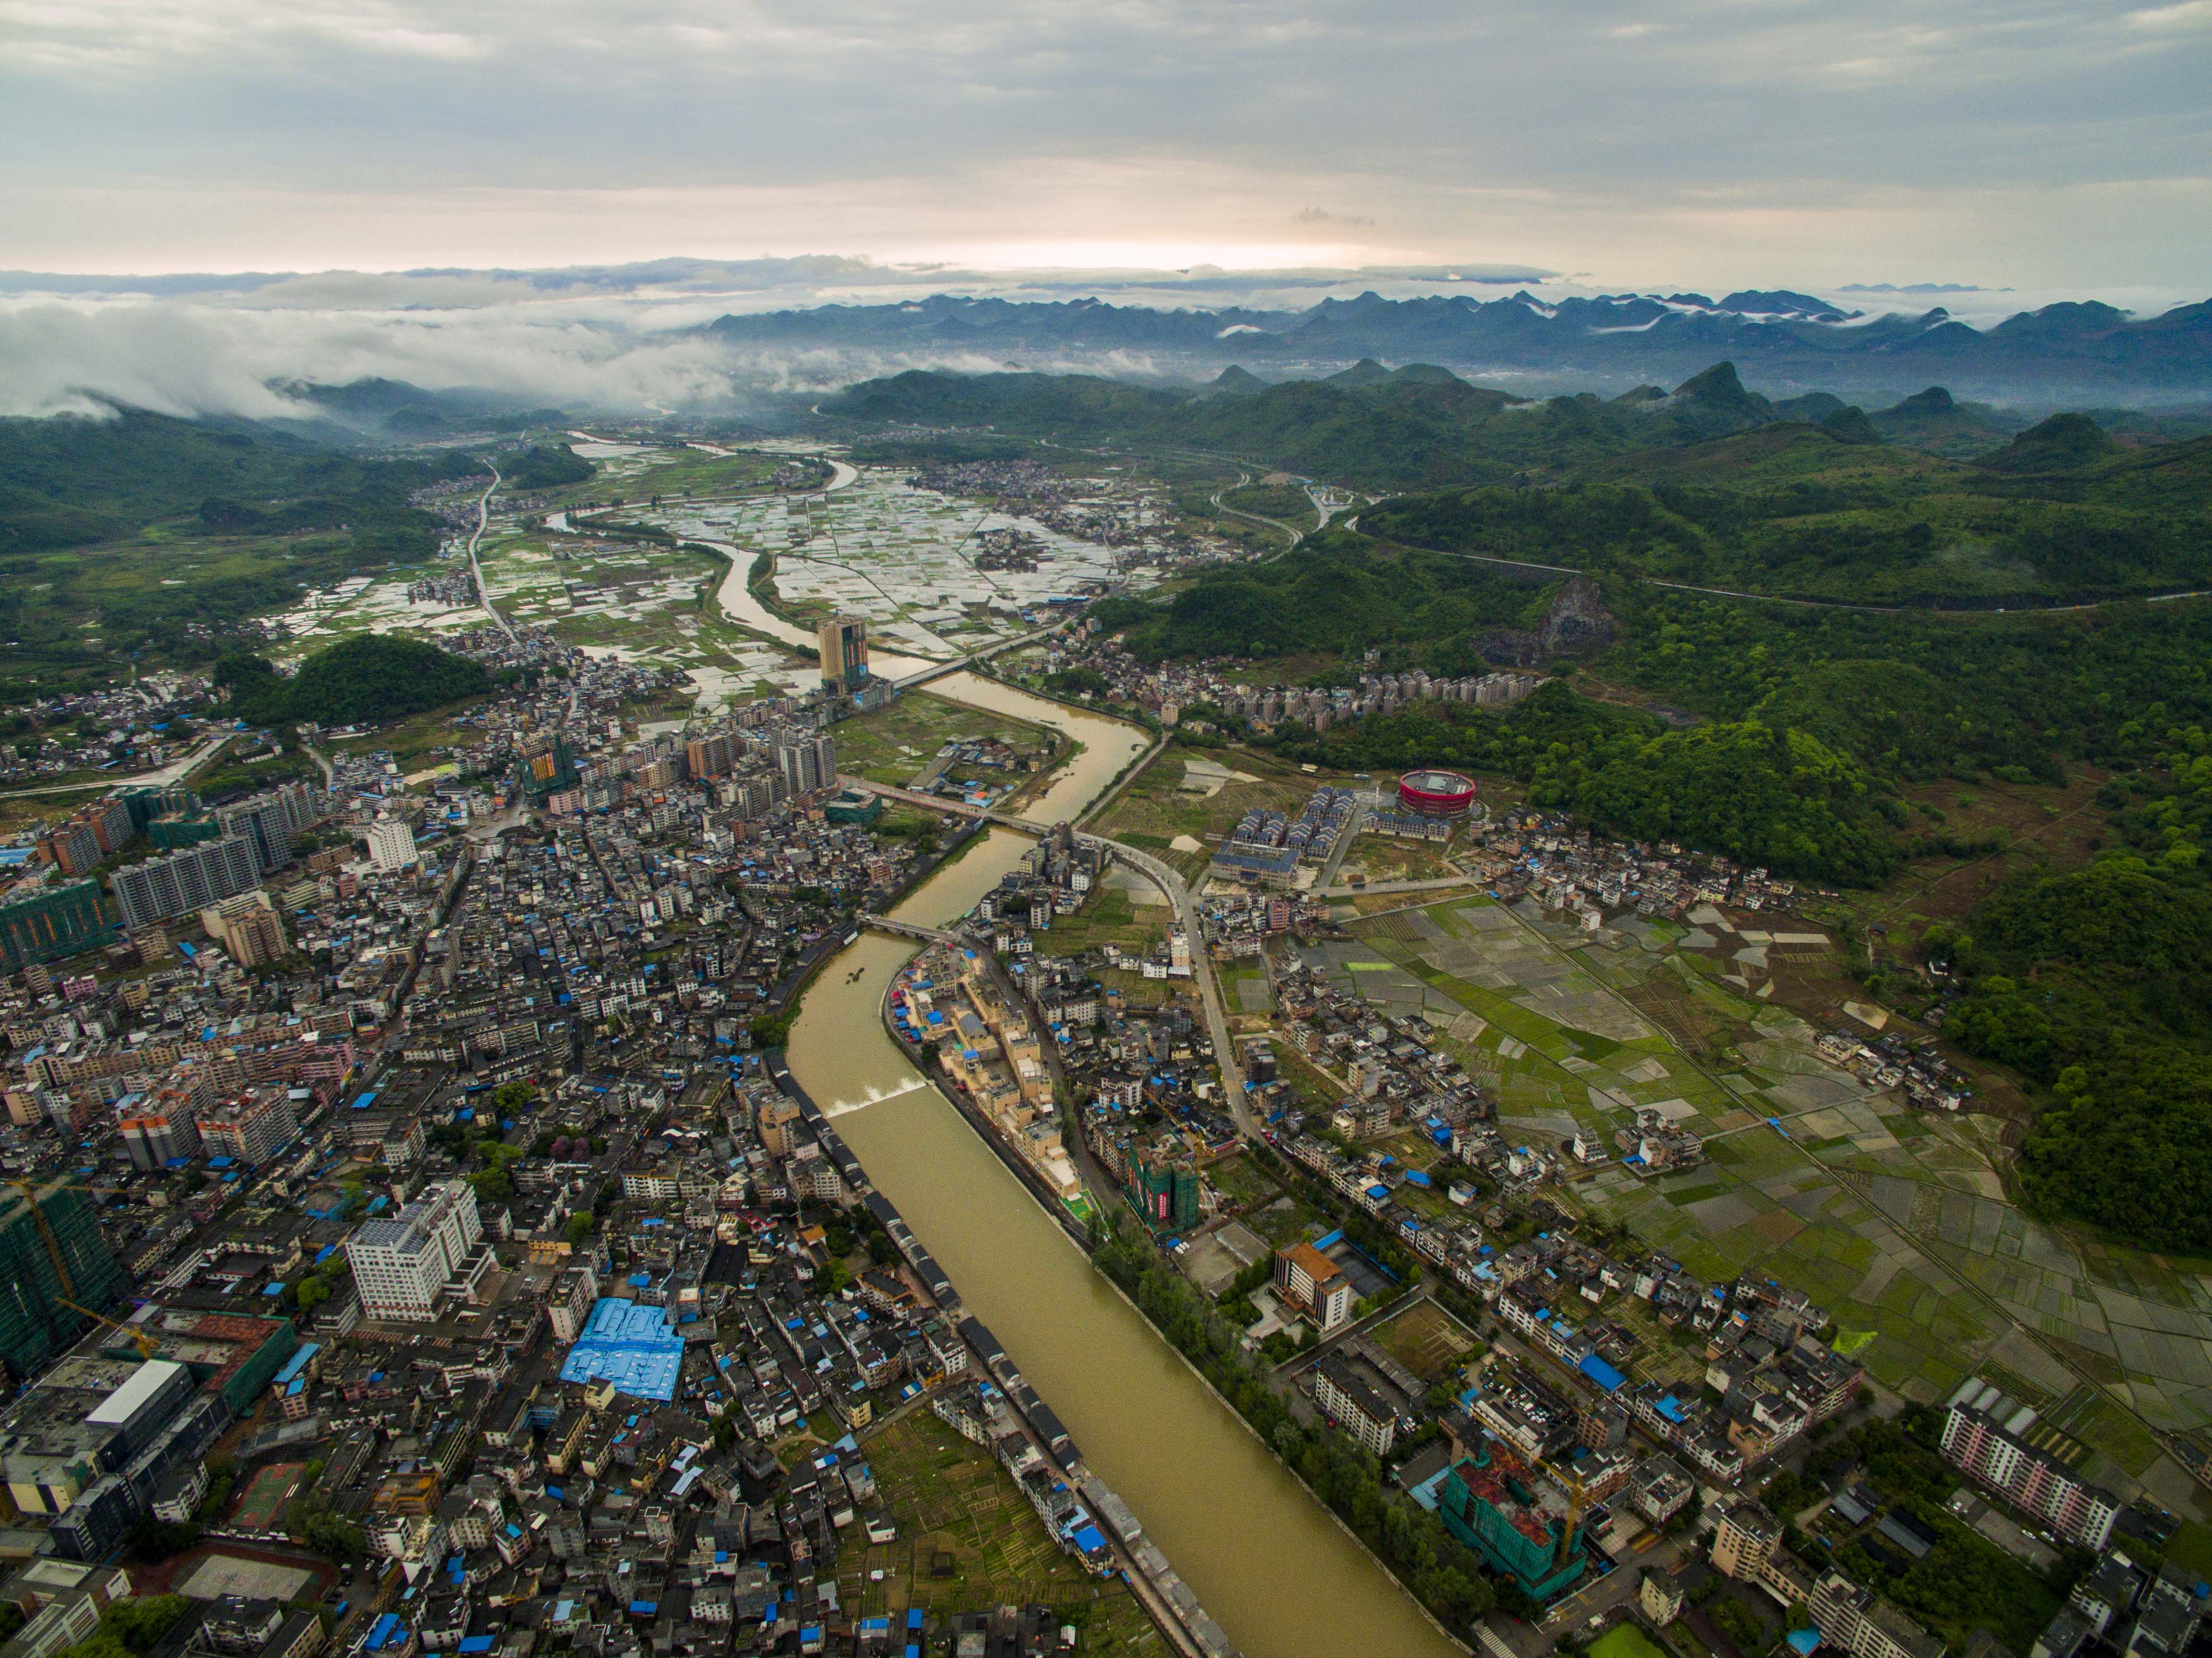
(1436, 793)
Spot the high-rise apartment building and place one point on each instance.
(272, 820)
(807, 763)
(247, 928)
(42, 1268)
(252, 1128)
(153, 1139)
(404, 1266)
(190, 878)
(75, 848)
(713, 754)
(1983, 1435)
(844, 645)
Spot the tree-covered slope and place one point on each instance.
(1414, 428)
(367, 679)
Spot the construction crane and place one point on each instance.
(1577, 1501)
(45, 1228)
(139, 1338)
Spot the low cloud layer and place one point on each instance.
(628, 339)
(463, 331)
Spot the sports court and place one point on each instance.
(219, 1575)
(265, 1498)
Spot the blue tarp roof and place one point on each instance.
(1602, 1373)
(630, 1345)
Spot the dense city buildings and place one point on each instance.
(421, 1186)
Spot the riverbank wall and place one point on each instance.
(1169, 1600)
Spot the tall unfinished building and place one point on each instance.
(50, 1254)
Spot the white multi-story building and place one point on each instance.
(390, 844)
(404, 1266)
(249, 1128)
(1314, 1284)
(575, 1292)
(1355, 1405)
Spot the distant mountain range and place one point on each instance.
(2071, 353)
(1421, 427)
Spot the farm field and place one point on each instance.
(1895, 1218)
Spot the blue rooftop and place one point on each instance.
(1602, 1373)
(630, 1345)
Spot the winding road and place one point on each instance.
(483, 521)
(1243, 478)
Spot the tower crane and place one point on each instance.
(139, 1338)
(46, 1232)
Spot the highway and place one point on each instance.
(1243, 478)
(175, 772)
(483, 521)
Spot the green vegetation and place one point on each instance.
(319, 1286)
(1965, 1581)
(1418, 427)
(1769, 795)
(1790, 512)
(130, 1627)
(1794, 732)
(367, 679)
(165, 534)
(543, 466)
(952, 1503)
(1286, 501)
(323, 1529)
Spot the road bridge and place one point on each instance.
(960, 664)
(938, 803)
(897, 929)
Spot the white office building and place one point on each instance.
(431, 1249)
(391, 844)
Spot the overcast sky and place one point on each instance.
(2043, 144)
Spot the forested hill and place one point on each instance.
(1414, 428)
(143, 537)
(71, 481)
(369, 678)
(1809, 726)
